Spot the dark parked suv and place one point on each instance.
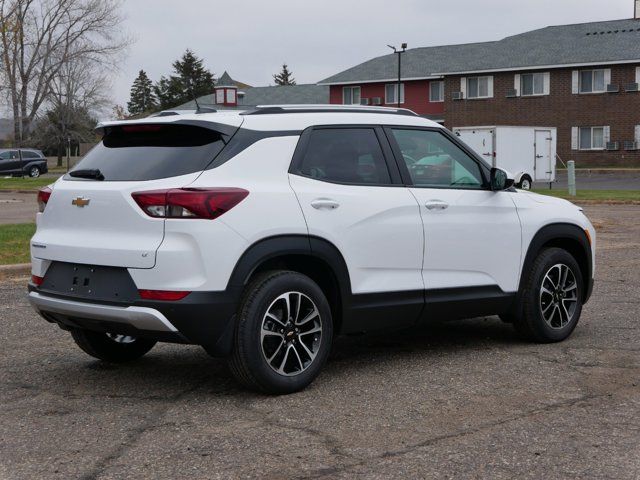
(22, 162)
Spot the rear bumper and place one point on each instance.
(141, 318)
(201, 318)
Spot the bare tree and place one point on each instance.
(39, 37)
(77, 96)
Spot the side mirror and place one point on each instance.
(500, 179)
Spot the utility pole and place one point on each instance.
(399, 52)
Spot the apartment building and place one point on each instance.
(583, 79)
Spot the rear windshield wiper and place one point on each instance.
(92, 173)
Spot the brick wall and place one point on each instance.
(561, 109)
(416, 93)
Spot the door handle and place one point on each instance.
(324, 204)
(436, 205)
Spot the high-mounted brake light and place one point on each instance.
(43, 198)
(207, 203)
(166, 295)
(141, 128)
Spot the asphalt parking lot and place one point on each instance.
(460, 400)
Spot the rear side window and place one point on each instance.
(28, 154)
(345, 155)
(150, 152)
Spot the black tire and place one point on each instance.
(530, 321)
(248, 361)
(34, 172)
(525, 183)
(103, 347)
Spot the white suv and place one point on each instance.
(262, 234)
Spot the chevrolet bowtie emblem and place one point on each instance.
(80, 202)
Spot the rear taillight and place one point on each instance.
(206, 203)
(166, 295)
(36, 280)
(43, 198)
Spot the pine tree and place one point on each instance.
(190, 79)
(142, 97)
(285, 77)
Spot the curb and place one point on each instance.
(17, 270)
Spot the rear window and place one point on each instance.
(150, 152)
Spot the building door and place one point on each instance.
(543, 158)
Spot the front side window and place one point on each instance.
(9, 155)
(532, 84)
(391, 91)
(592, 81)
(436, 91)
(345, 155)
(591, 138)
(351, 95)
(433, 160)
(478, 87)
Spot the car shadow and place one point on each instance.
(169, 371)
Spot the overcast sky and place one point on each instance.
(252, 38)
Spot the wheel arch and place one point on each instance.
(315, 257)
(569, 237)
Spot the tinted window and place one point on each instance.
(149, 152)
(27, 154)
(12, 154)
(433, 160)
(345, 155)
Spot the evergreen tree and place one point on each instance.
(142, 96)
(285, 77)
(190, 79)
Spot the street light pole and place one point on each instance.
(399, 52)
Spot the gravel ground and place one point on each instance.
(460, 400)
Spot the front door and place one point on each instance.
(472, 234)
(351, 198)
(543, 156)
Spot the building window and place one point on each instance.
(220, 96)
(231, 96)
(436, 91)
(592, 138)
(532, 84)
(390, 91)
(351, 95)
(592, 81)
(479, 87)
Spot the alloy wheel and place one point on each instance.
(121, 338)
(558, 296)
(291, 333)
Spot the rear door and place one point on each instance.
(543, 155)
(93, 218)
(481, 141)
(352, 196)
